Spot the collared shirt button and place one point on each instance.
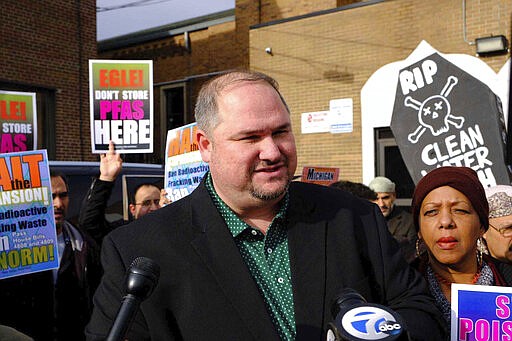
(254, 232)
(269, 250)
(280, 280)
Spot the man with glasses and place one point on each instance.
(498, 238)
(146, 198)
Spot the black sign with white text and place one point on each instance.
(443, 116)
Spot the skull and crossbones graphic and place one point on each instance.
(434, 113)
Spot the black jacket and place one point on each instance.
(92, 212)
(35, 306)
(401, 227)
(206, 291)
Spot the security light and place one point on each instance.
(491, 45)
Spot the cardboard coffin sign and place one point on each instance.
(443, 116)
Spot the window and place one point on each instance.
(174, 104)
(45, 106)
(391, 165)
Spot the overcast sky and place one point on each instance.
(120, 17)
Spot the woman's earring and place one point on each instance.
(480, 246)
(418, 252)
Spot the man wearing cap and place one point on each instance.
(498, 237)
(400, 222)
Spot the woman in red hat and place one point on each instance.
(450, 212)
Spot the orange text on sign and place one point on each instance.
(14, 179)
(184, 141)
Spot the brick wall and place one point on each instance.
(250, 12)
(331, 56)
(211, 50)
(315, 58)
(217, 48)
(47, 44)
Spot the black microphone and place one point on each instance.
(141, 279)
(357, 320)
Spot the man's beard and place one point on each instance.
(390, 209)
(266, 196)
(269, 196)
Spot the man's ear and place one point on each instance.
(131, 207)
(205, 145)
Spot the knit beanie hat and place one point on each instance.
(500, 200)
(463, 179)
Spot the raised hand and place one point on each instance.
(110, 164)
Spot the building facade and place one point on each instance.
(332, 54)
(317, 50)
(44, 48)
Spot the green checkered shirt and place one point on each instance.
(268, 261)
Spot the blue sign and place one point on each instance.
(481, 313)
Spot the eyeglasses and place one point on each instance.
(149, 202)
(505, 231)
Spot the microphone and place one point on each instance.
(141, 279)
(357, 320)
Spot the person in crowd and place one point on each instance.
(146, 198)
(356, 188)
(364, 192)
(249, 254)
(451, 214)
(55, 304)
(498, 238)
(400, 222)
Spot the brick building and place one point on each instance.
(320, 50)
(44, 48)
(331, 54)
(187, 53)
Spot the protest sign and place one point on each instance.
(320, 175)
(443, 116)
(27, 226)
(481, 312)
(121, 97)
(18, 117)
(184, 168)
(383, 97)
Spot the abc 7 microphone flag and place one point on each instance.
(357, 320)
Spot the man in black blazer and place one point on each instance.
(250, 255)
